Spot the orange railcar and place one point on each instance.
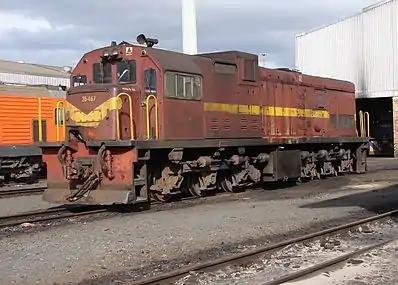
(21, 110)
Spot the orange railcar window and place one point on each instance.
(59, 116)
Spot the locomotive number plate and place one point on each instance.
(88, 98)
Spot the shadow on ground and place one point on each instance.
(377, 200)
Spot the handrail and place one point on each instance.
(355, 124)
(364, 123)
(57, 107)
(367, 123)
(361, 126)
(156, 116)
(130, 113)
(40, 126)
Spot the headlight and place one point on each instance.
(115, 52)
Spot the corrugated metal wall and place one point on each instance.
(361, 49)
(29, 79)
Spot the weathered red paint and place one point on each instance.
(181, 119)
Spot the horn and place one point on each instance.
(141, 39)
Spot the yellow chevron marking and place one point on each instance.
(96, 116)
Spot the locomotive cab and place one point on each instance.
(112, 104)
(112, 88)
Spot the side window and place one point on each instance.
(59, 116)
(150, 80)
(183, 86)
(78, 80)
(102, 73)
(126, 71)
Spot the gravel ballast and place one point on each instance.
(383, 170)
(124, 247)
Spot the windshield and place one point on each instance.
(102, 72)
(126, 71)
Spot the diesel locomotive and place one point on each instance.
(146, 123)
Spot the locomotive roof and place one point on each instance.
(174, 61)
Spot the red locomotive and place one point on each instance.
(143, 122)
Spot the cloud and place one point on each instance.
(59, 32)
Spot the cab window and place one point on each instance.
(102, 72)
(78, 80)
(183, 86)
(150, 80)
(126, 71)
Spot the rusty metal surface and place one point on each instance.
(115, 167)
(174, 61)
(188, 119)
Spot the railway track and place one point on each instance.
(67, 212)
(21, 192)
(211, 266)
(15, 190)
(49, 215)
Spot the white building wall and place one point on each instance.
(29, 79)
(361, 49)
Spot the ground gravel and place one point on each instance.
(15, 205)
(121, 247)
(380, 170)
(300, 256)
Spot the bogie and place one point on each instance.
(231, 170)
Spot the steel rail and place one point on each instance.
(23, 192)
(62, 213)
(326, 264)
(46, 215)
(179, 273)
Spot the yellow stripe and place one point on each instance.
(97, 115)
(269, 111)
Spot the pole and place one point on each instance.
(189, 37)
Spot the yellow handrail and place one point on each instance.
(39, 123)
(364, 123)
(355, 124)
(361, 126)
(59, 103)
(131, 116)
(156, 116)
(367, 123)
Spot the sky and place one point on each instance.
(60, 32)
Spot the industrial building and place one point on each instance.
(21, 73)
(363, 49)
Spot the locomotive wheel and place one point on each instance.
(226, 182)
(193, 184)
(157, 196)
